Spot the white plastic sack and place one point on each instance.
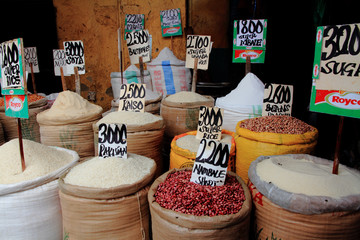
(168, 74)
(243, 102)
(31, 210)
(130, 75)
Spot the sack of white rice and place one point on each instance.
(68, 123)
(29, 200)
(107, 198)
(144, 134)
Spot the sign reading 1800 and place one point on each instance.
(249, 39)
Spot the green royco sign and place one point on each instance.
(249, 39)
(170, 22)
(336, 81)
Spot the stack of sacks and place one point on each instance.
(168, 73)
(244, 102)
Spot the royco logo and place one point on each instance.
(15, 104)
(252, 54)
(346, 101)
(171, 30)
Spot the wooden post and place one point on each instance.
(337, 148)
(248, 65)
(63, 82)
(21, 146)
(120, 56)
(194, 80)
(33, 78)
(141, 69)
(172, 44)
(77, 81)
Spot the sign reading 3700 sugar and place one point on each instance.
(198, 47)
(336, 71)
(211, 163)
(249, 39)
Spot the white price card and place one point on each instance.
(132, 97)
(75, 57)
(138, 43)
(112, 141)
(278, 99)
(30, 56)
(210, 123)
(198, 47)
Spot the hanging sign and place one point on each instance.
(74, 56)
(278, 99)
(336, 71)
(16, 106)
(249, 39)
(30, 56)
(112, 140)
(210, 123)
(132, 97)
(138, 43)
(198, 47)
(211, 163)
(59, 61)
(170, 22)
(133, 22)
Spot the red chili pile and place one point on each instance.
(277, 124)
(177, 193)
(31, 98)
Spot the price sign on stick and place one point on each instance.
(170, 22)
(210, 123)
(211, 163)
(133, 22)
(112, 140)
(74, 56)
(59, 61)
(278, 99)
(30, 55)
(132, 97)
(336, 71)
(249, 39)
(198, 47)
(138, 43)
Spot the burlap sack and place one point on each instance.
(180, 157)
(168, 224)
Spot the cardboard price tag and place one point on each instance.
(198, 47)
(132, 97)
(133, 22)
(74, 53)
(278, 99)
(249, 39)
(112, 140)
(170, 22)
(138, 43)
(13, 66)
(59, 61)
(30, 55)
(211, 163)
(210, 123)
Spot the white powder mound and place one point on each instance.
(110, 172)
(39, 161)
(306, 177)
(129, 118)
(69, 107)
(184, 96)
(250, 91)
(191, 143)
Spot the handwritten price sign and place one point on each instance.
(132, 97)
(74, 53)
(138, 43)
(112, 140)
(210, 123)
(278, 99)
(211, 163)
(170, 22)
(31, 57)
(59, 61)
(133, 22)
(198, 47)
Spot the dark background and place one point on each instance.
(289, 54)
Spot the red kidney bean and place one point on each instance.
(177, 193)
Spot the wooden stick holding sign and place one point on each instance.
(141, 69)
(120, 56)
(77, 80)
(21, 145)
(194, 79)
(337, 148)
(63, 82)
(248, 64)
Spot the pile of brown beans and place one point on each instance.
(277, 124)
(177, 193)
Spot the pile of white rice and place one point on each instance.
(130, 118)
(40, 160)
(186, 97)
(110, 172)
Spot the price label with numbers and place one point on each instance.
(278, 99)
(198, 47)
(210, 123)
(112, 140)
(59, 61)
(74, 56)
(249, 39)
(133, 22)
(211, 163)
(30, 55)
(138, 43)
(336, 71)
(170, 22)
(132, 97)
